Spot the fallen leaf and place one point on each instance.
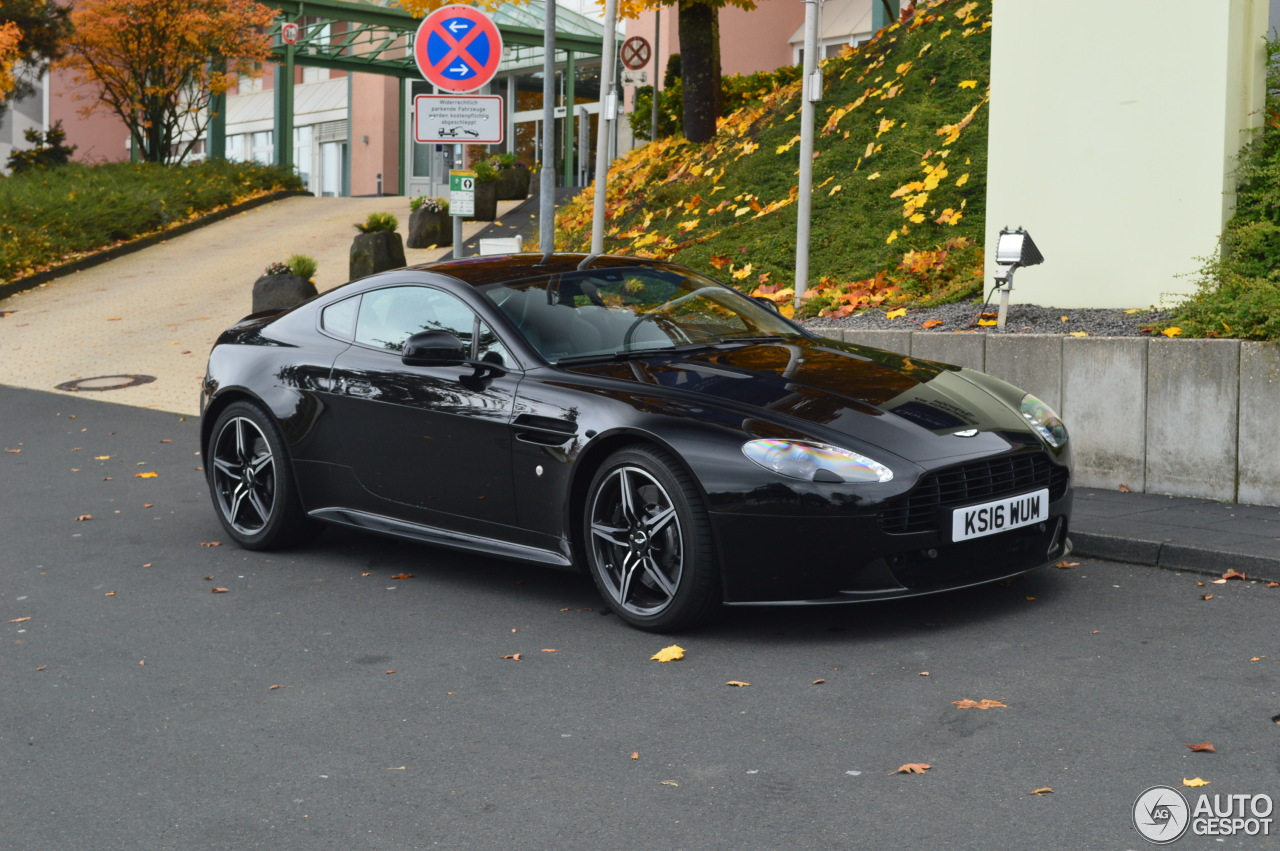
(1206, 596)
(968, 84)
(1172, 332)
(211, 543)
(985, 703)
(42, 668)
(1257, 658)
(148, 505)
(1063, 565)
(114, 318)
(21, 620)
(818, 682)
(1044, 790)
(1196, 782)
(14, 451)
(272, 688)
(396, 768)
(84, 517)
(931, 323)
(109, 594)
(988, 323)
(514, 656)
(924, 673)
(668, 783)
(1234, 574)
(1273, 584)
(913, 768)
(1205, 747)
(635, 754)
(550, 650)
(738, 683)
(668, 654)
(1079, 333)
(403, 576)
(392, 671)
(1095, 632)
(150, 475)
(1217, 582)
(1124, 489)
(219, 590)
(896, 314)
(1030, 599)
(142, 661)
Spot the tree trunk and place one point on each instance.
(699, 56)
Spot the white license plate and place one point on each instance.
(1001, 515)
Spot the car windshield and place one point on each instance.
(603, 313)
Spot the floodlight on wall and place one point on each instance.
(1014, 249)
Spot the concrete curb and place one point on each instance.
(1171, 555)
(94, 259)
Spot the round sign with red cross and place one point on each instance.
(458, 48)
(636, 52)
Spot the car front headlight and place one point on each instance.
(1044, 420)
(815, 462)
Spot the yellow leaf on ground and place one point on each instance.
(1079, 333)
(913, 768)
(969, 84)
(835, 189)
(962, 179)
(1044, 790)
(1195, 782)
(873, 176)
(988, 323)
(668, 654)
(896, 314)
(1172, 332)
(738, 683)
(145, 475)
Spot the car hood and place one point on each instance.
(916, 409)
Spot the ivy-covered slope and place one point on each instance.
(899, 176)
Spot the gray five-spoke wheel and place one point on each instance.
(244, 475)
(636, 541)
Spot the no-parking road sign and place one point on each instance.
(458, 48)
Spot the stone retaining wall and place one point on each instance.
(1194, 418)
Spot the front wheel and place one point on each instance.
(648, 542)
(251, 482)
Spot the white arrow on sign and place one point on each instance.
(458, 69)
(454, 26)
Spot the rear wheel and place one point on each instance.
(251, 481)
(648, 542)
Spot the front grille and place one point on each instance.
(980, 481)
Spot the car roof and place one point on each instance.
(481, 271)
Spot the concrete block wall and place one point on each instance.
(1194, 418)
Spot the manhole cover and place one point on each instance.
(105, 382)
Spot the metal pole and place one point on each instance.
(547, 177)
(657, 73)
(608, 112)
(810, 93)
(570, 97)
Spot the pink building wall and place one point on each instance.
(375, 116)
(99, 136)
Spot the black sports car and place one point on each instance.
(682, 443)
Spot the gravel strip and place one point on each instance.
(1021, 319)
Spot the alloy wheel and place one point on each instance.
(636, 541)
(244, 475)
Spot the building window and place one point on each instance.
(263, 150)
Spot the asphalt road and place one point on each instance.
(326, 701)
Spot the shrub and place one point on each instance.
(431, 205)
(485, 172)
(1238, 290)
(379, 222)
(302, 265)
(278, 269)
(46, 151)
(503, 160)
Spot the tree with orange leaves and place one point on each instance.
(151, 63)
(10, 36)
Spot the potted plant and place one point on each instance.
(286, 284)
(377, 247)
(430, 224)
(511, 186)
(486, 193)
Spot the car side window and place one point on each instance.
(339, 319)
(388, 317)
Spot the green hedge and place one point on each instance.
(51, 215)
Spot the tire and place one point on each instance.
(251, 481)
(648, 542)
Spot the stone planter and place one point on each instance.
(486, 203)
(428, 228)
(376, 252)
(510, 185)
(271, 292)
(525, 177)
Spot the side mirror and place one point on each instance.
(433, 348)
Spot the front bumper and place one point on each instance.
(795, 560)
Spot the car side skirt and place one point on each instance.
(440, 537)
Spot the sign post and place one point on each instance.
(462, 202)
